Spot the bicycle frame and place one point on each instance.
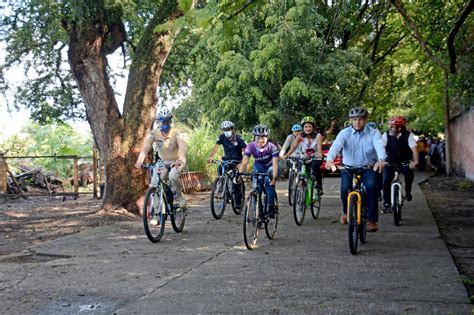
(356, 185)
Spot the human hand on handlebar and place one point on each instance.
(330, 166)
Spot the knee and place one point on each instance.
(174, 175)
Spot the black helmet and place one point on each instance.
(261, 131)
(358, 112)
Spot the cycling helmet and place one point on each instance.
(397, 121)
(296, 127)
(371, 124)
(227, 125)
(163, 113)
(308, 119)
(358, 112)
(261, 131)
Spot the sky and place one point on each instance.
(12, 121)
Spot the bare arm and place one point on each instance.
(243, 166)
(213, 152)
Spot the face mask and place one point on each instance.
(228, 134)
(165, 127)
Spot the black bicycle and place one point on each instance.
(223, 190)
(256, 214)
(292, 178)
(160, 203)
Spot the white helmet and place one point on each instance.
(227, 125)
(163, 113)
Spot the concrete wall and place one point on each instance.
(462, 144)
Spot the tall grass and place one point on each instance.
(200, 140)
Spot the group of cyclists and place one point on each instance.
(362, 147)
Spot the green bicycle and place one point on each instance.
(306, 194)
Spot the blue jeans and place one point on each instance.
(370, 183)
(269, 188)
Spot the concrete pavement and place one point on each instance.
(207, 269)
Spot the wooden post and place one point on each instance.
(94, 171)
(3, 174)
(76, 174)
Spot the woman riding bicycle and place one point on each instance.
(233, 145)
(295, 132)
(171, 149)
(265, 155)
(309, 144)
(361, 146)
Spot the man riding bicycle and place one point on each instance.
(233, 145)
(171, 149)
(265, 154)
(309, 144)
(361, 147)
(402, 152)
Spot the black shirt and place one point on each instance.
(232, 147)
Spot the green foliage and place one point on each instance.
(50, 140)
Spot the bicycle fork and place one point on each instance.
(359, 206)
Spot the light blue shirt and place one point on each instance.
(359, 149)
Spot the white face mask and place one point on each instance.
(228, 134)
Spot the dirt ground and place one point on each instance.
(25, 223)
(451, 200)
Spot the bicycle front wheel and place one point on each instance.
(178, 218)
(251, 222)
(291, 187)
(153, 217)
(396, 207)
(218, 198)
(299, 202)
(316, 203)
(363, 225)
(272, 223)
(353, 227)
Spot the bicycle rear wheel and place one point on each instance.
(251, 221)
(272, 223)
(291, 187)
(153, 217)
(396, 207)
(235, 202)
(316, 204)
(218, 197)
(299, 202)
(178, 218)
(353, 227)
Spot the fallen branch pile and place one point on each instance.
(33, 181)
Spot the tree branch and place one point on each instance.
(411, 24)
(394, 45)
(246, 5)
(452, 34)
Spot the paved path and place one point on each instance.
(207, 269)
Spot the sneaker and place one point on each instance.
(343, 218)
(409, 197)
(154, 220)
(372, 226)
(271, 211)
(320, 191)
(386, 209)
(182, 202)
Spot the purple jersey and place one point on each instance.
(262, 156)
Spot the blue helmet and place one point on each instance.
(296, 127)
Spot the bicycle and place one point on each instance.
(222, 191)
(357, 208)
(292, 178)
(256, 211)
(397, 196)
(159, 204)
(305, 195)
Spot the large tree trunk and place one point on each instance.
(119, 136)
